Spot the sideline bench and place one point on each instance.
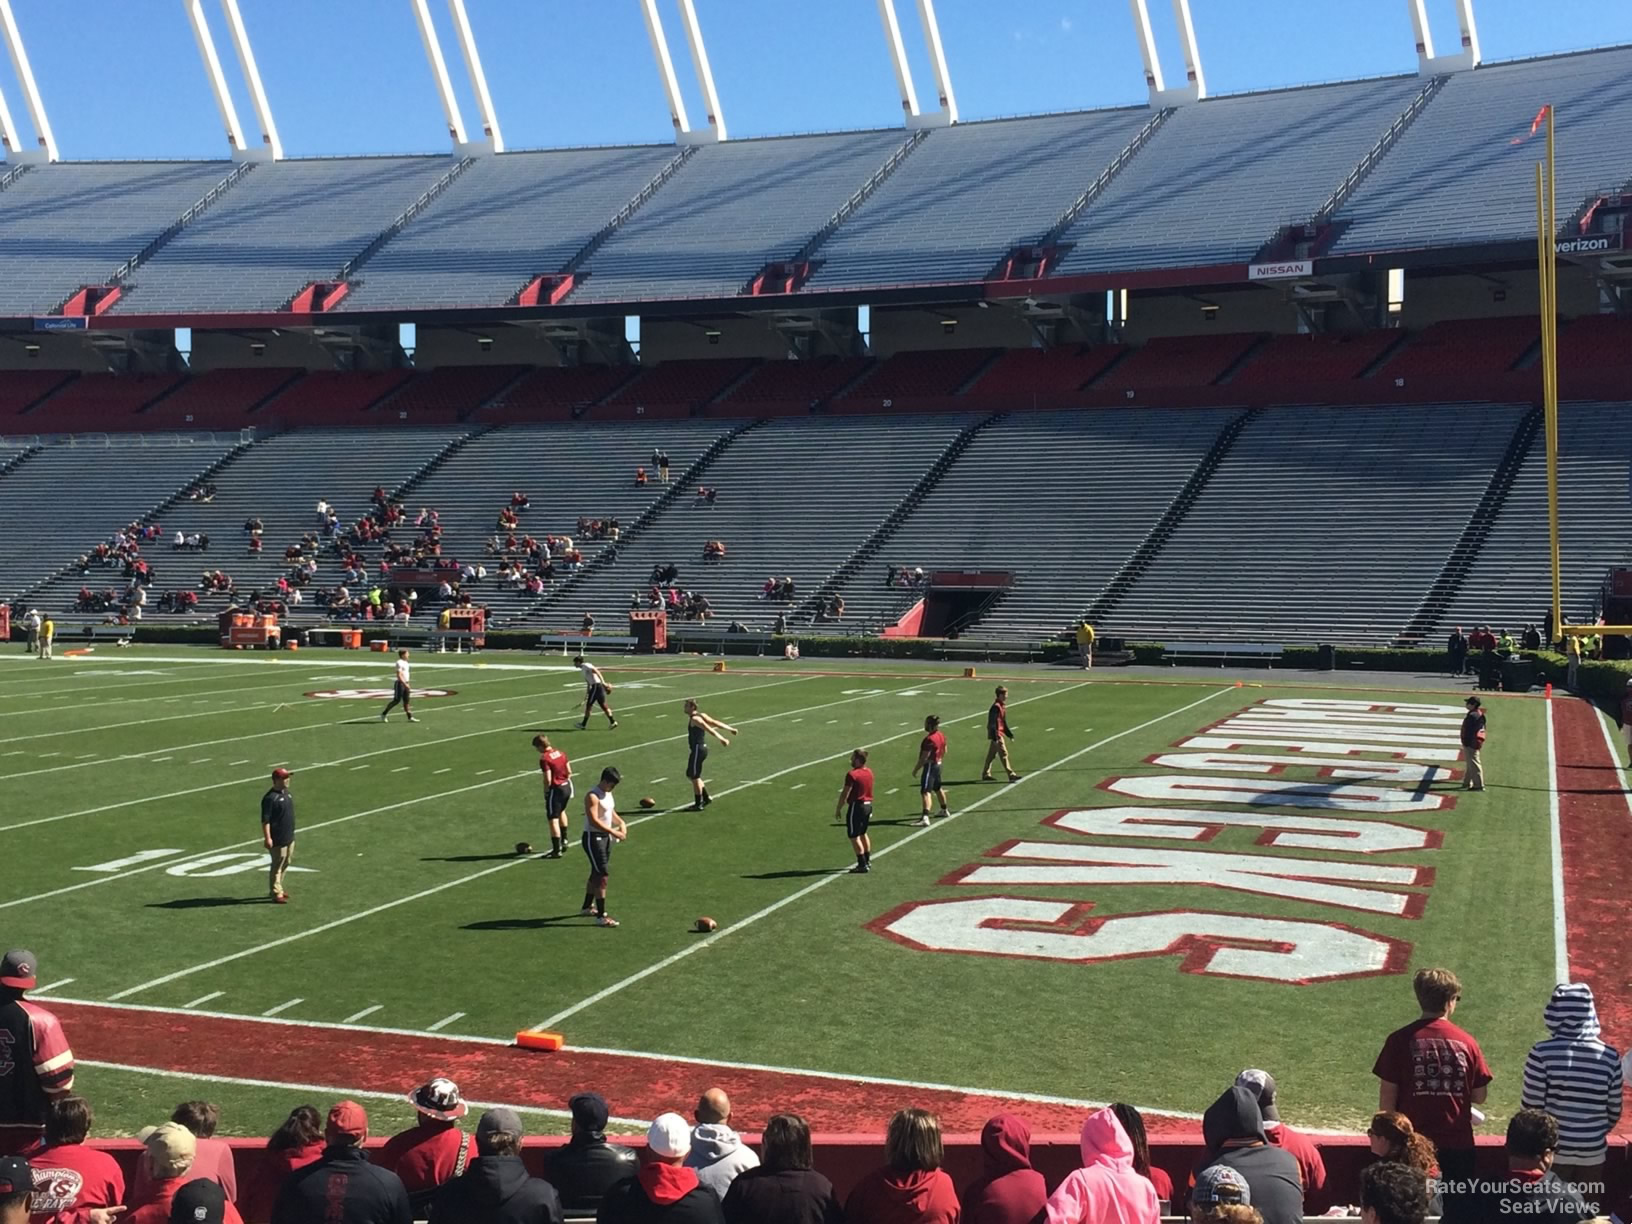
(411, 635)
(988, 651)
(716, 640)
(1266, 653)
(118, 633)
(585, 643)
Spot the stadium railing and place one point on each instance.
(1222, 652)
(568, 642)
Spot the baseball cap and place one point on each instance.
(669, 1136)
(200, 1201)
(172, 1148)
(438, 1098)
(1262, 1085)
(17, 969)
(501, 1119)
(589, 1110)
(347, 1120)
(281, 772)
(15, 1175)
(1220, 1184)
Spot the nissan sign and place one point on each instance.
(1291, 269)
(1589, 244)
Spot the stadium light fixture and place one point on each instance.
(715, 117)
(43, 135)
(1195, 86)
(439, 73)
(492, 139)
(1467, 55)
(947, 112)
(270, 141)
(217, 78)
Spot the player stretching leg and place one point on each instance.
(602, 827)
(595, 690)
(856, 805)
(557, 771)
(998, 732)
(930, 755)
(400, 692)
(698, 727)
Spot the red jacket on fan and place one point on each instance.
(889, 1196)
(426, 1155)
(40, 1066)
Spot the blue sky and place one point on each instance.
(122, 78)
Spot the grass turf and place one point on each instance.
(414, 904)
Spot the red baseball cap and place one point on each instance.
(347, 1121)
(280, 772)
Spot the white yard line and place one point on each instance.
(1561, 934)
(414, 746)
(367, 1011)
(58, 985)
(202, 999)
(283, 1007)
(824, 881)
(444, 1022)
(1615, 755)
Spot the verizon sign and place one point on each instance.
(1291, 269)
(1589, 244)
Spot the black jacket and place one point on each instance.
(1546, 1200)
(369, 1195)
(782, 1196)
(628, 1203)
(584, 1169)
(1271, 1173)
(496, 1190)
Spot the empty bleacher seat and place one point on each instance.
(557, 392)
(1316, 359)
(929, 374)
(1177, 361)
(1464, 346)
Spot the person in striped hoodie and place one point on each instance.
(1577, 1078)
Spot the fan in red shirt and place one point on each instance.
(557, 772)
(433, 1151)
(856, 808)
(294, 1145)
(70, 1177)
(1435, 1073)
(931, 752)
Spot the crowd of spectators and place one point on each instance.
(778, 590)
(905, 578)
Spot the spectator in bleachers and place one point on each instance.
(342, 1187)
(1393, 1194)
(1576, 1078)
(70, 1176)
(297, 1143)
(1107, 1187)
(1393, 1138)
(1009, 1190)
(780, 624)
(1133, 1123)
(1505, 644)
(1221, 1196)
(717, 1152)
(1311, 1168)
(784, 1189)
(1456, 652)
(664, 1189)
(1531, 640)
(640, 478)
(1233, 1128)
(435, 1148)
(168, 1165)
(1532, 1189)
(518, 500)
(586, 1166)
(1443, 1111)
(212, 1157)
(663, 466)
(911, 1188)
(497, 1189)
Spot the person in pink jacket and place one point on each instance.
(1106, 1190)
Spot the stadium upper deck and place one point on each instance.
(1388, 166)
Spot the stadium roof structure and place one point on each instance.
(1189, 190)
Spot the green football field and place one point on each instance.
(130, 862)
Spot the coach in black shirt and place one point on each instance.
(278, 829)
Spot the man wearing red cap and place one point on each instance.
(434, 1150)
(342, 1187)
(35, 1061)
(278, 830)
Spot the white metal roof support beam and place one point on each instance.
(212, 70)
(9, 138)
(1470, 32)
(1192, 53)
(1424, 34)
(25, 77)
(665, 68)
(937, 61)
(898, 57)
(439, 72)
(1147, 49)
(705, 73)
(1466, 56)
(478, 78)
(270, 141)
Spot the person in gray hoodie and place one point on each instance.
(1233, 1127)
(717, 1152)
(1576, 1078)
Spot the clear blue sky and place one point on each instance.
(122, 78)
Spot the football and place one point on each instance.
(524, 847)
(648, 802)
(705, 923)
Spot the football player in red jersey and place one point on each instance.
(557, 772)
(931, 752)
(856, 807)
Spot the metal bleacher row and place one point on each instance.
(1396, 163)
(1295, 524)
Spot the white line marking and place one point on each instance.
(200, 761)
(892, 790)
(151, 760)
(797, 786)
(39, 990)
(444, 1022)
(283, 1007)
(1615, 755)
(355, 768)
(655, 781)
(824, 881)
(444, 770)
(230, 764)
(796, 720)
(482, 773)
(17, 752)
(831, 721)
(1561, 938)
(202, 999)
(85, 756)
(53, 754)
(1046, 730)
(367, 1011)
(402, 769)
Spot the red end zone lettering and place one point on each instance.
(377, 694)
(1285, 950)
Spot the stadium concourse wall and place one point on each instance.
(846, 1159)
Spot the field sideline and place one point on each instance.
(1024, 949)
